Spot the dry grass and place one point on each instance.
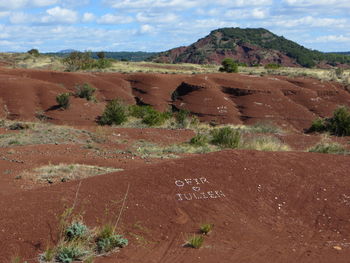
(66, 172)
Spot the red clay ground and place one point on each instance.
(266, 206)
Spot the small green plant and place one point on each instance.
(226, 137)
(70, 252)
(196, 241)
(329, 147)
(85, 91)
(77, 230)
(206, 228)
(114, 113)
(138, 111)
(229, 66)
(108, 240)
(272, 66)
(63, 100)
(199, 140)
(264, 127)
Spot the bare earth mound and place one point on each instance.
(296, 208)
(221, 98)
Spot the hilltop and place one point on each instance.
(251, 46)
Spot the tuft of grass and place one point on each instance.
(226, 137)
(206, 228)
(77, 230)
(265, 143)
(264, 127)
(196, 241)
(328, 147)
(48, 255)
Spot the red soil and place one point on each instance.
(222, 98)
(266, 206)
(297, 207)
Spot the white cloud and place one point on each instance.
(147, 29)
(157, 18)
(313, 3)
(331, 38)
(88, 17)
(59, 15)
(114, 19)
(20, 18)
(309, 22)
(17, 4)
(255, 13)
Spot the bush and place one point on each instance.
(139, 111)
(199, 140)
(332, 148)
(63, 100)
(263, 127)
(85, 91)
(338, 125)
(154, 118)
(228, 65)
(265, 143)
(101, 55)
(78, 60)
(102, 63)
(34, 52)
(318, 125)
(114, 113)
(226, 137)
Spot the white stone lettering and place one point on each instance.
(179, 183)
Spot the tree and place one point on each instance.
(228, 65)
(33, 52)
(78, 60)
(101, 55)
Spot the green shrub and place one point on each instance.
(229, 66)
(339, 124)
(328, 147)
(199, 140)
(139, 111)
(182, 118)
(226, 137)
(102, 63)
(195, 241)
(114, 113)
(154, 118)
(78, 60)
(318, 125)
(63, 100)
(85, 91)
(77, 230)
(206, 228)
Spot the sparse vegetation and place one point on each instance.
(264, 143)
(34, 52)
(107, 239)
(199, 140)
(63, 100)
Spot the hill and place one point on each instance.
(251, 46)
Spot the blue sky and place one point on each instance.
(158, 25)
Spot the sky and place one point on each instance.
(159, 25)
